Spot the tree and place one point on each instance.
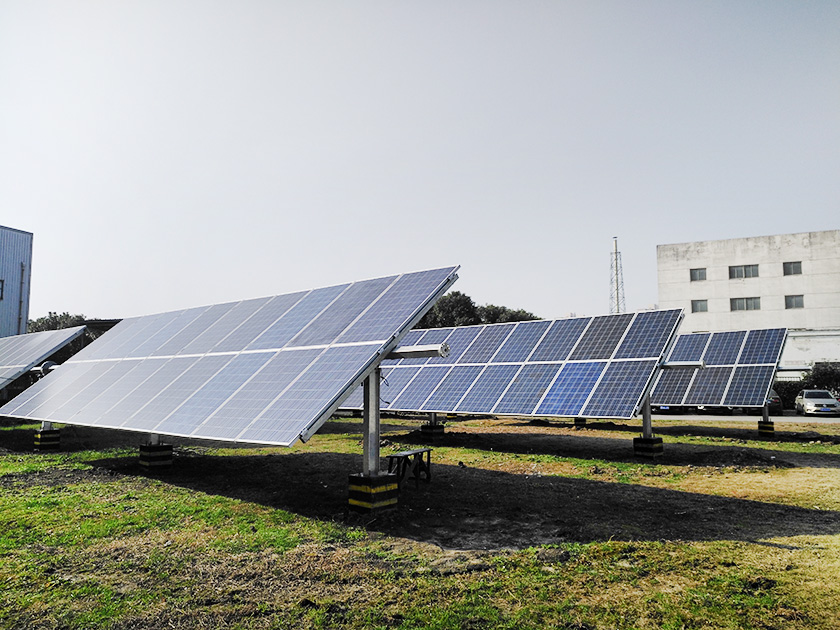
(492, 314)
(458, 309)
(824, 376)
(55, 321)
(453, 309)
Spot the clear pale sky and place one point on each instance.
(177, 153)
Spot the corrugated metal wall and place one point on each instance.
(15, 274)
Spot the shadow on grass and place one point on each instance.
(472, 508)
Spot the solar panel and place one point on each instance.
(580, 367)
(267, 371)
(740, 366)
(20, 353)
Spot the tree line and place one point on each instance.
(458, 309)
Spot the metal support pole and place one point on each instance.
(433, 420)
(647, 425)
(46, 425)
(154, 439)
(765, 412)
(370, 440)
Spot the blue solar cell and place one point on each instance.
(189, 332)
(459, 340)
(571, 388)
(601, 338)
(208, 395)
(750, 385)
(648, 334)
(104, 376)
(38, 399)
(724, 348)
(398, 306)
(225, 327)
(247, 331)
(127, 333)
(292, 321)
(421, 387)
(486, 343)
(342, 312)
(521, 342)
(452, 388)
(672, 387)
(690, 347)
(393, 382)
(310, 395)
(168, 326)
(763, 346)
(709, 386)
(20, 353)
(619, 392)
(485, 392)
(527, 388)
(109, 408)
(247, 403)
(560, 339)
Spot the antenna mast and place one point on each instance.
(616, 280)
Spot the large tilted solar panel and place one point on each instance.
(592, 367)
(268, 370)
(740, 367)
(20, 353)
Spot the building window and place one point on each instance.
(699, 306)
(794, 301)
(2, 287)
(745, 304)
(698, 274)
(743, 271)
(792, 268)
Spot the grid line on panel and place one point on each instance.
(452, 388)
(690, 347)
(527, 388)
(422, 386)
(521, 342)
(750, 385)
(487, 389)
(394, 382)
(724, 348)
(671, 387)
(647, 335)
(709, 386)
(343, 312)
(487, 343)
(570, 389)
(762, 346)
(601, 337)
(619, 390)
(295, 318)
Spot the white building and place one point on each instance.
(15, 274)
(787, 281)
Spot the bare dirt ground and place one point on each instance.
(512, 502)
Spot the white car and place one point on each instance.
(817, 402)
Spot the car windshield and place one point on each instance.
(818, 393)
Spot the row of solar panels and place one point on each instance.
(272, 370)
(586, 366)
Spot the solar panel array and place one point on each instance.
(20, 353)
(740, 366)
(593, 367)
(268, 370)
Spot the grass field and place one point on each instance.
(524, 525)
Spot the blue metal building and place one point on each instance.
(15, 275)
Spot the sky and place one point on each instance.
(176, 153)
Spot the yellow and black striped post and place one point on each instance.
(373, 493)
(766, 428)
(155, 456)
(48, 440)
(648, 447)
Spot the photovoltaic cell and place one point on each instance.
(601, 338)
(724, 382)
(267, 371)
(20, 353)
(525, 368)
